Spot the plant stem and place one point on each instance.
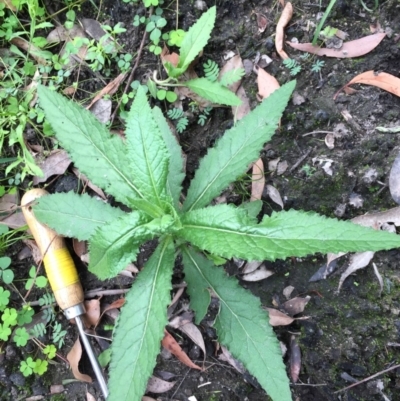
(322, 22)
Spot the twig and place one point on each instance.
(134, 68)
(300, 160)
(368, 378)
(318, 132)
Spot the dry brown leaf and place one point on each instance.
(354, 48)
(278, 318)
(156, 385)
(257, 275)
(8, 203)
(233, 63)
(227, 357)
(30, 48)
(381, 80)
(287, 291)
(166, 56)
(274, 194)
(56, 388)
(115, 305)
(73, 357)
(375, 220)
(266, 84)
(187, 327)
(357, 261)
(80, 247)
(95, 188)
(16, 220)
(295, 305)
(102, 110)
(109, 89)
(286, 16)
(394, 180)
(261, 22)
(295, 359)
(55, 164)
(90, 397)
(145, 398)
(172, 346)
(257, 180)
(244, 108)
(92, 315)
(62, 34)
(251, 266)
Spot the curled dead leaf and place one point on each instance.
(172, 346)
(295, 359)
(284, 19)
(278, 318)
(156, 385)
(295, 305)
(354, 48)
(257, 275)
(73, 357)
(274, 194)
(257, 180)
(381, 80)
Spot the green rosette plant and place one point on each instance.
(145, 172)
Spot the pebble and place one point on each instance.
(17, 379)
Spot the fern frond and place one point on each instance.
(182, 124)
(175, 113)
(211, 70)
(232, 76)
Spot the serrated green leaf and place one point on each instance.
(102, 157)
(196, 38)
(176, 163)
(238, 147)
(136, 342)
(148, 154)
(116, 244)
(213, 91)
(73, 215)
(225, 230)
(242, 326)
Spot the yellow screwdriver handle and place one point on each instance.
(60, 268)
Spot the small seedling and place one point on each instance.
(292, 65)
(39, 281)
(317, 66)
(6, 274)
(181, 120)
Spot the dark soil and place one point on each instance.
(347, 335)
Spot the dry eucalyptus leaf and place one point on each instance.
(257, 180)
(330, 141)
(379, 277)
(187, 327)
(55, 164)
(8, 203)
(90, 397)
(394, 180)
(358, 261)
(296, 305)
(102, 110)
(92, 315)
(282, 167)
(278, 318)
(273, 164)
(16, 220)
(244, 108)
(227, 357)
(266, 83)
(287, 291)
(257, 275)
(274, 194)
(146, 398)
(158, 386)
(62, 34)
(73, 357)
(251, 266)
(233, 63)
(284, 19)
(109, 89)
(295, 359)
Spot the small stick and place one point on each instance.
(318, 132)
(132, 74)
(368, 378)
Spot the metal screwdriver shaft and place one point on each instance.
(62, 275)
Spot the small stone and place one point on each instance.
(17, 379)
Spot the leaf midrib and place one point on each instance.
(222, 300)
(223, 169)
(130, 184)
(152, 294)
